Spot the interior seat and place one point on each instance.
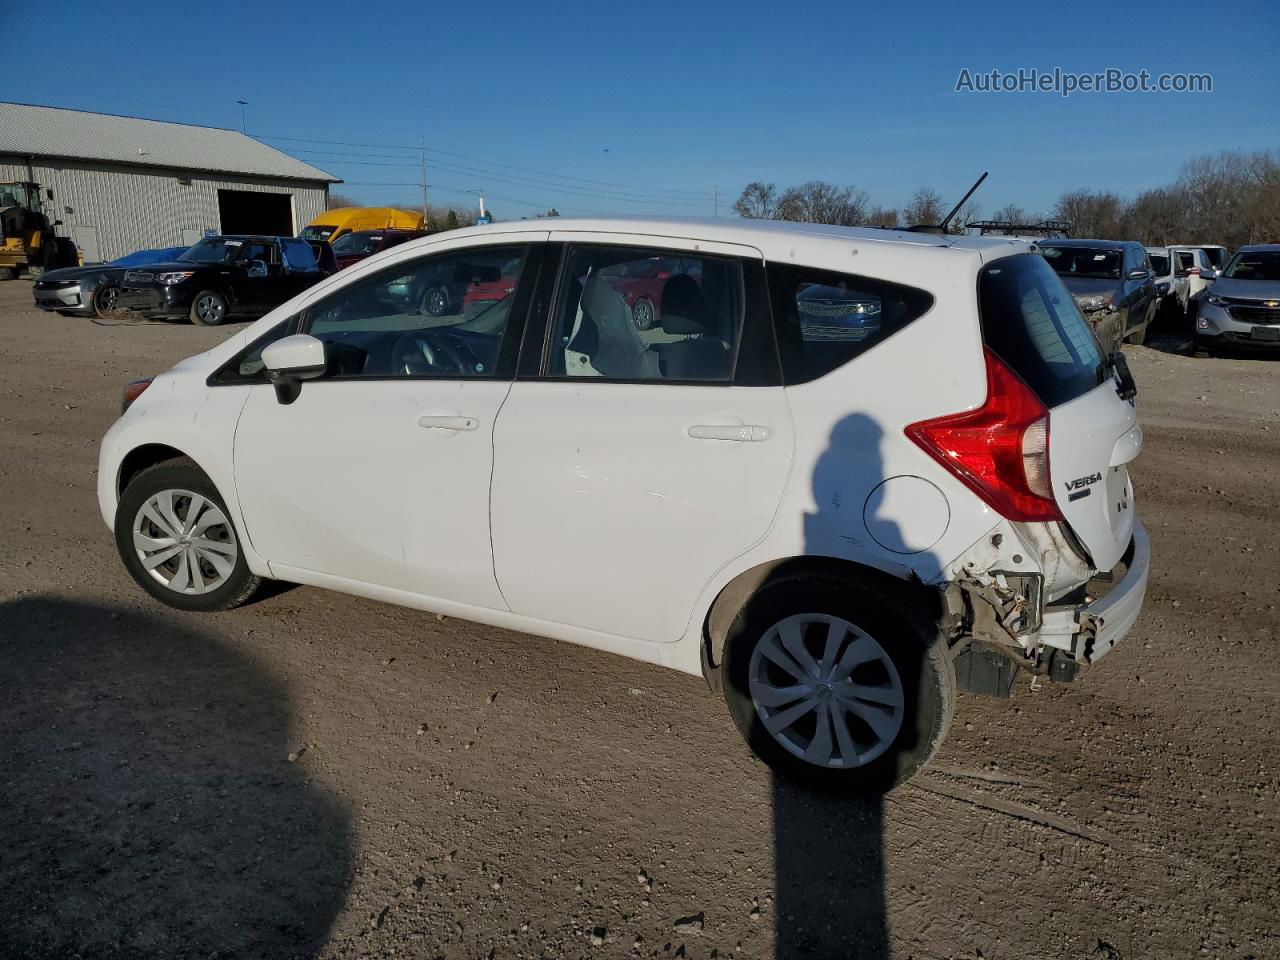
(701, 355)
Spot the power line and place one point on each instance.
(464, 156)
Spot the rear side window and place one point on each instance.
(1031, 322)
(825, 319)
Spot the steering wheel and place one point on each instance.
(422, 352)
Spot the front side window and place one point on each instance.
(824, 319)
(247, 365)
(631, 313)
(1160, 263)
(441, 316)
(1031, 321)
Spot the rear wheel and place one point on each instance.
(1138, 336)
(176, 538)
(8, 273)
(435, 302)
(208, 309)
(1201, 347)
(837, 683)
(643, 314)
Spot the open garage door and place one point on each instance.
(244, 211)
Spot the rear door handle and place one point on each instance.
(737, 433)
(448, 423)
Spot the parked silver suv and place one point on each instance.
(1241, 308)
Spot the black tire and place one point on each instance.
(208, 309)
(1138, 336)
(8, 273)
(896, 621)
(1201, 348)
(644, 314)
(34, 272)
(181, 476)
(435, 302)
(104, 299)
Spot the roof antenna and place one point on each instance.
(942, 227)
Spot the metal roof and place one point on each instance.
(36, 131)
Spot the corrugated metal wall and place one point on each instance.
(123, 208)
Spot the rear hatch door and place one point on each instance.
(1031, 321)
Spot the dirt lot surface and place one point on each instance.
(316, 775)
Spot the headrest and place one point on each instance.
(683, 309)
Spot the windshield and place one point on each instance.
(357, 243)
(1094, 263)
(317, 231)
(1259, 265)
(213, 250)
(1160, 263)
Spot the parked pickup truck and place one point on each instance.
(224, 277)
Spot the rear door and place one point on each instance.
(1032, 323)
(630, 465)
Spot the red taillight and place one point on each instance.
(999, 451)
(133, 391)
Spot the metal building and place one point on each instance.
(121, 184)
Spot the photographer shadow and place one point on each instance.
(149, 804)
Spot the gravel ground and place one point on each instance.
(318, 775)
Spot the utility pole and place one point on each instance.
(422, 156)
(243, 104)
(715, 208)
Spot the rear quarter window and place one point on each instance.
(1032, 323)
(825, 319)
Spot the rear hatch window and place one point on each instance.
(1031, 322)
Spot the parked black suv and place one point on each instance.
(1112, 283)
(224, 277)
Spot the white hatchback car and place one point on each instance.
(835, 471)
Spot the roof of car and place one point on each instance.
(1260, 248)
(751, 231)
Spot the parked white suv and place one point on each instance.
(840, 472)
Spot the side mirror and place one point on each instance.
(257, 268)
(290, 361)
(1209, 273)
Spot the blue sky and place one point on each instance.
(643, 107)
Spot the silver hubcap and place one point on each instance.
(184, 541)
(826, 691)
(209, 308)
(643, 314)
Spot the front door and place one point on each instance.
(637, 462)
(379, 471)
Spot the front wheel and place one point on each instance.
(176, 538)
(208, 309)
(104, 299)
(837, 683)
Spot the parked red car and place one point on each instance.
(481, 293)
(354, 247)
(641, 282)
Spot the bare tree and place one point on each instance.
(967, 214)
(925, 208)
(882, 217)
(1098, 214)
(820, 202)
(758, 201)
(339, 200)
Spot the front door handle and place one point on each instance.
(737, 433)
(448, 423)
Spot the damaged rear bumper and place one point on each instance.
(1087, 632)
